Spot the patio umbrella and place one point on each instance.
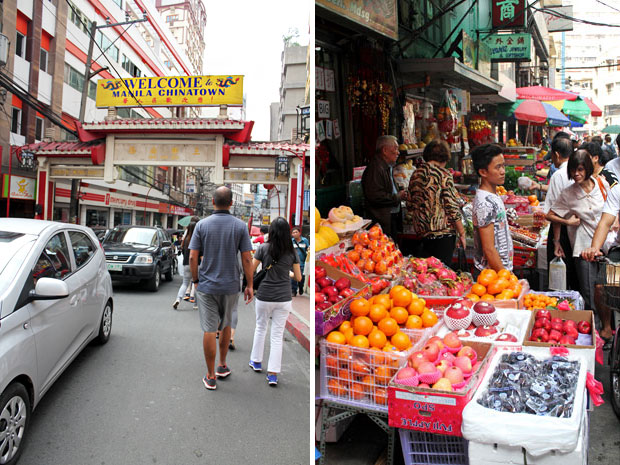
(594, 109)
(577, 110)
(613, 129)
(544, 93)
(534, 112)
(185, 221)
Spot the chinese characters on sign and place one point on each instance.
(510, 47)
(378, 15)
(508, 13)
(182, 154)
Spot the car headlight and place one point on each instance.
(144, 258)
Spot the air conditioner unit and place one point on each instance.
(4, 50)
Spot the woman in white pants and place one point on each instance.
(273, 297)
(187, 274)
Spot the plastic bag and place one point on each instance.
(557, 274)
(447, 117)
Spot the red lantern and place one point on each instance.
(268, 186)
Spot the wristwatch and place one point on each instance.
(196, 281)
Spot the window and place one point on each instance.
(54, 261)
(610, 88)
(79, 19)
(39, 128)
(20, 45)
(92, 90)
(172, 18)
(83, 247)
(106, 46)
(74, 78)
(130, 67)
(16, 120)
(43, 60)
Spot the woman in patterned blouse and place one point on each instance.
(434, 204)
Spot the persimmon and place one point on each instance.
(400, 314)
(375, 233)
(377, 313)
(377, 256)
(366, 254)
(401, 341)
(358, 248)
(361, 264)
(359, 307)
(375, 245)
(364, 239)
(388, 325)
(353, 255)
(369, 266)
(381, 267)
(362, 325)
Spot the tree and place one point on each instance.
(290, 37)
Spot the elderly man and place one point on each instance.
(382, 198)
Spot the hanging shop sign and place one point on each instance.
(469, 51)
(380, 16)
(554, 22)
(484, 58)
(323, 108)
(510, 47)
(320, 78)
(508, 14)
(21, 188)
(170, 91)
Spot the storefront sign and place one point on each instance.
(114, 200)
(508, 14)
(21, 188)
(320, 78)
(556, 24)
(190, 184)
(170, 91)
(134, 151)
(320, 131)
(510, 47)
(323, 108)
(81, 172)
(469, 51)
(484, 58)
(330, 81)
(379, 15)
(254, 176)
(173, 209)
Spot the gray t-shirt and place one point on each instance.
(276, 286)
(220, 237)
(488, 208)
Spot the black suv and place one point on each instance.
(140, 253)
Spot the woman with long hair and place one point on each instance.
(273, 297)
(187, 274)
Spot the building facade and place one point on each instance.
(292, 90)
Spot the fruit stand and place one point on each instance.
(418, 348)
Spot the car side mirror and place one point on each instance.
(49, 289)
(166, 244)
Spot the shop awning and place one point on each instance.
(448, 72)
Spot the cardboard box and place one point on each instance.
(330, 318)
(431, 410)
(514, 303)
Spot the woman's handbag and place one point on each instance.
(258, 277)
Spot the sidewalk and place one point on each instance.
(298, 323)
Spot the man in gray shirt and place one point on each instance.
(220, 237)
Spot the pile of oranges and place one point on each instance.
(374, 252)
(492, 285)
(536, 301)
(533, 200)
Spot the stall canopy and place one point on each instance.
(544, 93)
(534, 112)
(613, 129)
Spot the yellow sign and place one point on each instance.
(170, 91)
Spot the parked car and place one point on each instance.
(100, 232)
(140, 254)
(55, 298)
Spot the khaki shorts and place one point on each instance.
(216, 311)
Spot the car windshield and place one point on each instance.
(14, 248)
(142, 236)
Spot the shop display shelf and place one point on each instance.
(421, 448)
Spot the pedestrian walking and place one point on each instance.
(608, 147)
(301, 246)
(273, 297)
(187, 273)
(220, 237)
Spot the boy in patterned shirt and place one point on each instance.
(492, 242)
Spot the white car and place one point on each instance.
(55, 298)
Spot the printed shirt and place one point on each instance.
(433, 201)
(488, 208)
(614, 167)
(588, 207)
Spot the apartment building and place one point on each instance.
(292, 90)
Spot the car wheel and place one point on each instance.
(170, 273)
(105, 327)
(15, 412)
(153, 283)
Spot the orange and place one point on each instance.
(487, 297)
(369, 266)
(478, 289)
(361, 264)
(513, 278)
(383, 374)
(359, 369)
(362, 325)
(336, 337)
(396, 289)
(345, 325)
(497, 286)
(487, 276)
(366, 254)
(532, 198)
(381, 267)
(348, 334)
(381, 397)
(344, 353)
(429, 318)
(377, 256)
(401, 298)
(354, 256)
(413, 322)
(359, 307)
(359, 341)
(388, 325)
(473, 297)
(377, 339)
(377, 356)
(416, 307)
(503, 273)
(509, 293)
(383, 299)
(400, 314)
(344, 377)
(335, 388)
(377, 313)
(358, 248)
(356, 391)
(400, 340)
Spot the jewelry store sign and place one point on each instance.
(510, 47)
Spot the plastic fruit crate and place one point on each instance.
(437, 306)
(359, 377)
(421, 448)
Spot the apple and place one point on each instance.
(566, 339)
(569, 323)
(555, 326)
(462, 333)
(348, 292)
(484, 313)
(506, 337)
(443, 366)
(342, 283)
(556, 320)
(436, 340)
(463, 363)
(454, 375)
(485, 331)
(540, 335)
(584, 327)
(330, 291)
(324, 305)
(443, 384)
(334, 299)
(319, 272)
(543, 314)
(465, 302)
(471, 326)
(541, 322)
(483, 307)
(416, 358)
(426, 367)
(324, 282)
(468, 352)
(424, 385)
(319, 297)
(457, 311)
(452, 341)
(457, 316)
(572, 332)
(431, 351)
(405, 372)
(555, 335)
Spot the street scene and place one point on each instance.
(467, 255)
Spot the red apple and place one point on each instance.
(468, 352)
(324, 305)
(506, 337)
(569, 324)
(324, 282)
(454, 374)
(483, 307)
(541, 322)
(540, 335)
(457, 312)
(584, 327)
(405, 372)
(431, 351)
(464, 363)
(555, 326)
(424, 385)
(443, 366)
(330, 291)
(319, 297)
(426, 367)
(543, 314)
(572, 333)
(334, 299)
(416, 358)
(436, 340)
(319, 272)
(342, 283)
(554, 335)
(464, 302)
(348, 292)
(566, 339)
(485, 331)
(452, 340)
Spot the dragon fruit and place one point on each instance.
(425, 279)
(456, 290)
(446, 274)
(433, 262)
(418, 265)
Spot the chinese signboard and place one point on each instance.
(379, 15)
(21, 188)
(510, 47)
(82, 172)
(170, 91)
(134, 152)
(508, 14)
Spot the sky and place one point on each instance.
(245, 37)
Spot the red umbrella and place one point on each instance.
(544, 93)
(594, 109)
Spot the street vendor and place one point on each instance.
(492, 241)
(381, 197)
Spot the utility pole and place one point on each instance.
(75, 183)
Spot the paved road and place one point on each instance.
(140, 399)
